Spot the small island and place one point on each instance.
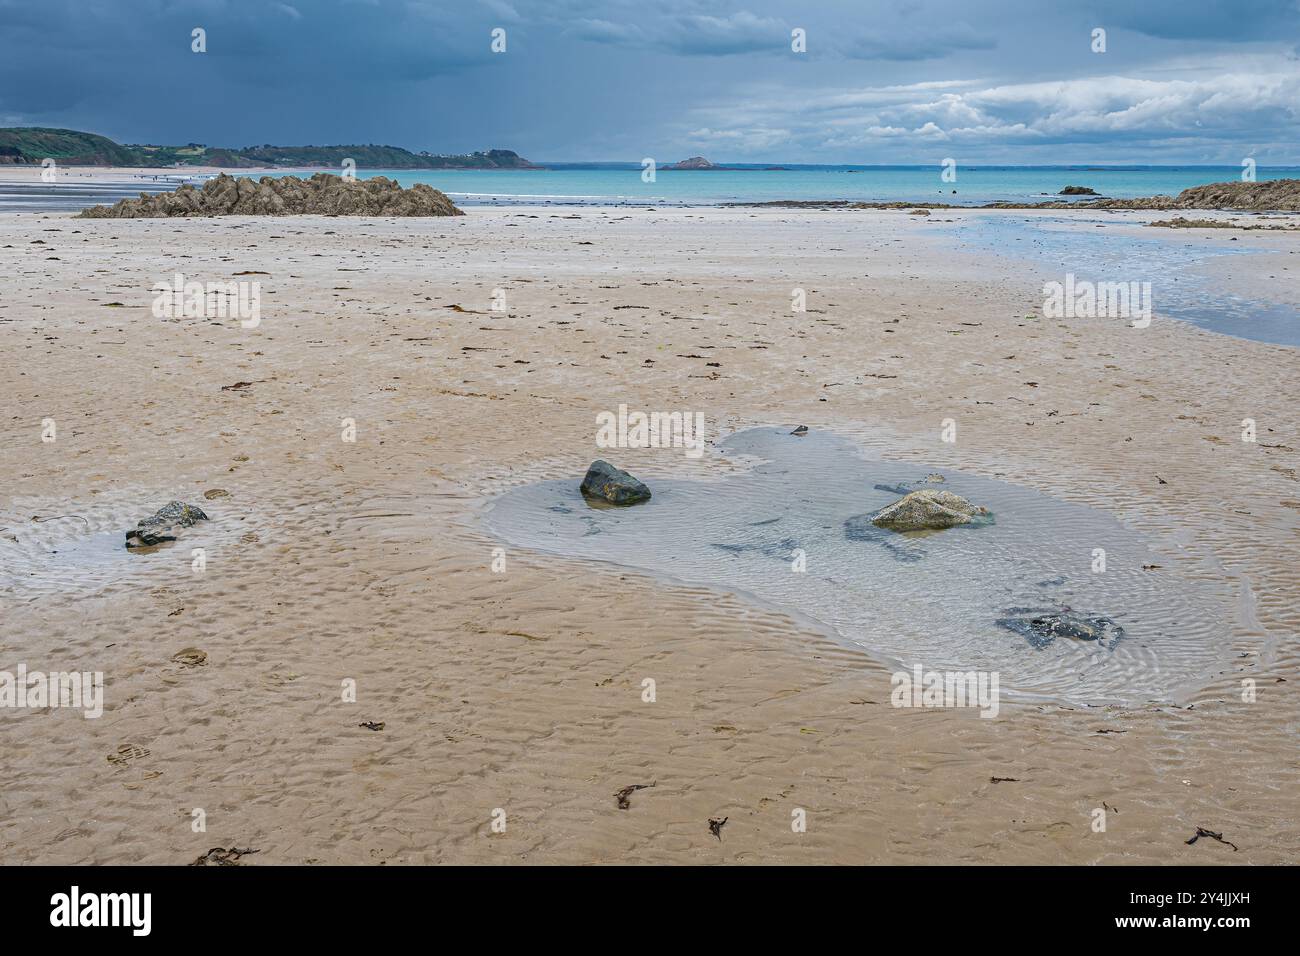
(699, 162)
(695, 162)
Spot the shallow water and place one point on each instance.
(68, 195)
(80, 556)
(621, 184)
(932, 599)
(1166, 260)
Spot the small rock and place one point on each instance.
(1078, 191)
(612, 484)
(1042, 627)
(919, 212)
(800, 430)
(155, 529)
(930, 510)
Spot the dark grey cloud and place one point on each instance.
(1204, 19)
(689, 34)
(929, 42)
(1001, 80)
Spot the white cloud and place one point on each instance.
(1218, 104)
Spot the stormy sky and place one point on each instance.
(902, 81)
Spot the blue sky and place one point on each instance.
(908, 81)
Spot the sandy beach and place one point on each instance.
(329, 561)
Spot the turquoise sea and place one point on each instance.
(621, 184)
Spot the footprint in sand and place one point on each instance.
(127, 753)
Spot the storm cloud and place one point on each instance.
(895, 82)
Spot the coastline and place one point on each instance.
(522, 690)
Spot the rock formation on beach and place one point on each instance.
(1179, 222)
(614, 485)
(1077, 191)
(321, 195)
(157, 527)
(929, 510)
(1277, 195)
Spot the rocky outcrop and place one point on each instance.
(614, 485)
(158, 527)
(1042, 627)
(928, 511)
(1278, 195)
(1281, 194)
(321, 195)
(1179, 222)
(1077, 191)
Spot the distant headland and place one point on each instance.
(34, 144)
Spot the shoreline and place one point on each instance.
(30, 176)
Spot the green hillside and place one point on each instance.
(379, 157)
(72, 148)
(33, 144)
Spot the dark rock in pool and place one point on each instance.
(1042, 627)
(157, 528)
(612, 484)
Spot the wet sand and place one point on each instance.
(104, 175)
(368, 561)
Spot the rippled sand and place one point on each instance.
(370, 561)
(794, 531)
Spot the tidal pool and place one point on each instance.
(929, 598)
